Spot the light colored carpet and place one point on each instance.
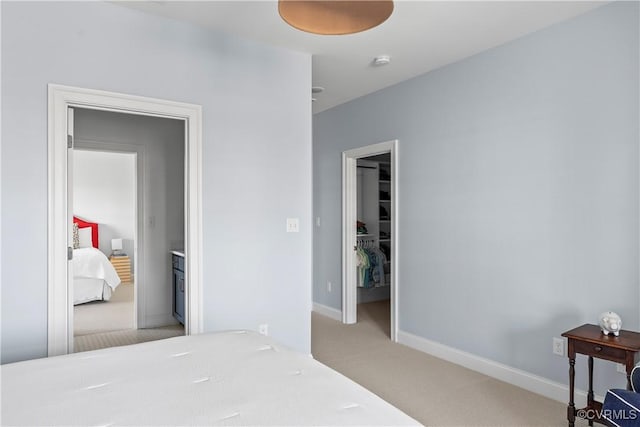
(102, 324)
(126, 337)
(433, 391)
(105, 316)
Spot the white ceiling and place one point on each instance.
(419, 36)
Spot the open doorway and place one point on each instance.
(104, 194)
(63, 100)
(370, 235)
(373, 241)
(127, 183)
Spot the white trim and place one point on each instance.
(349, 216)
(327, 311)
(59, 99)
(57, 332)
(69, 220)
(194, 323)
(517, 377)
(349, 229)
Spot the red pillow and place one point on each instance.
(94, 229)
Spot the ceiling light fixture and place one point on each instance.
(317, 89)
(334, 17)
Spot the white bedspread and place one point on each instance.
(91, 263)
(231, 378)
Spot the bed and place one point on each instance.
(94, 277)
(237, 378)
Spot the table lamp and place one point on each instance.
(116, 247)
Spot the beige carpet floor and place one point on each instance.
(431, 390)
(105, 316)
(125, 337)
(103, 324)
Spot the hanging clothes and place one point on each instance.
(370, 265)
(363, 266)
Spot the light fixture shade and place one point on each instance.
(334, 17)
(116, 244)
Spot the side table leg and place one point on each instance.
(590, 393)
(571, 409)
(629, 365)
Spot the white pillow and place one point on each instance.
(84, 236)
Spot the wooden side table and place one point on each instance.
(123, 267)
(589, 340)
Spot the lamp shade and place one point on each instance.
(116, 244)
(334, 17)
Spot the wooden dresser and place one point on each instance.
(122, 264)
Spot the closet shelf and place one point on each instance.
(364, 235)
(387, 201)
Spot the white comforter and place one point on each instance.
(230, 378)
(93, 264)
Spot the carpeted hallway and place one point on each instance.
(433, 391)
(103, 324)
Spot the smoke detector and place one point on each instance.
(381, 60)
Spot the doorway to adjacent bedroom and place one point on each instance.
(154, 305)
(104, 193)
(127, 192)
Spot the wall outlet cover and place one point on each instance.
(558, 346)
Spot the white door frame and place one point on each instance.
(349, 229)
(59, 330)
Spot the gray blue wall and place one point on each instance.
(256, 144)
(518, 191)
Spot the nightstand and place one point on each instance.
(123, 267)
(590, 341)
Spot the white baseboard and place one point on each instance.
(516, 377)
(327, 311)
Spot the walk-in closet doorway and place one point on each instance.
(369, 230)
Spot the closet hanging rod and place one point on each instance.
(367, 167)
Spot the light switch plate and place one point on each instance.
(293, 225)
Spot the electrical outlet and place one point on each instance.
(558, 346)
(263, 329)
(328, 286)
(621, 368)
